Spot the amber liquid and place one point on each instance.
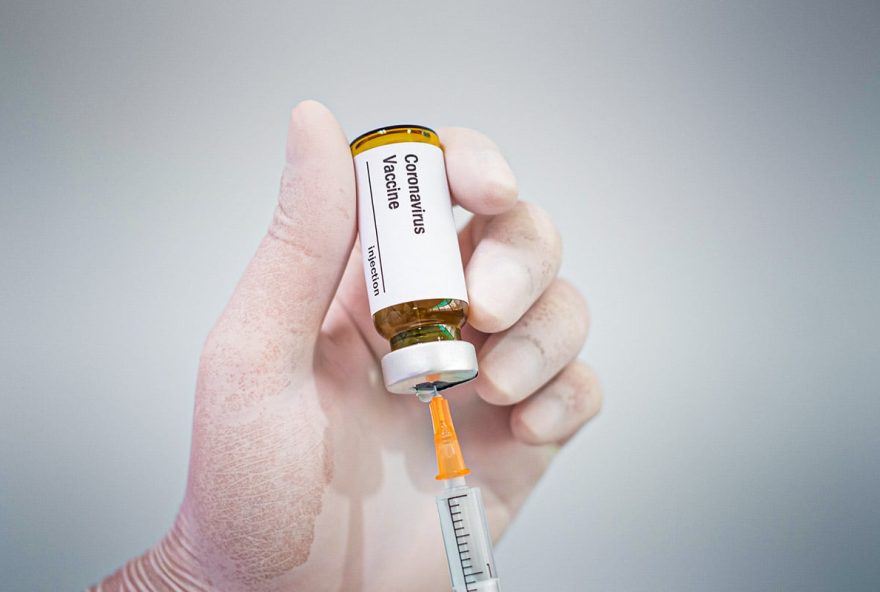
(421, 321)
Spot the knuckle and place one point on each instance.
(295, 189)
(528, 229)
(561, 319)
(546, 231)
(305, 192)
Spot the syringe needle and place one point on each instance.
(450, 462)
(466, 535)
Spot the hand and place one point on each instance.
(305, 474)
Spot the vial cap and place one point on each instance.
(436, 363)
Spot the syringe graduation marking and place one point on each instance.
(465, 518)
(467, 571)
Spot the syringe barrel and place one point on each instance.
(467, 540)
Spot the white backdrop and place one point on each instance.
(713, 168)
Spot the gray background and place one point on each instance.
(714, 170)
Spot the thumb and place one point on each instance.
(276, 312)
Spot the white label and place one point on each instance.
(407, 233)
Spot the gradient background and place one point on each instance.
(713, 167)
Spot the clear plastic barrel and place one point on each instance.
(467, 539)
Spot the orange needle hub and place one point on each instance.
(450, 462)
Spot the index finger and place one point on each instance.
(480, 180)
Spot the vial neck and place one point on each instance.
(425, 334)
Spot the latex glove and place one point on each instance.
(305, 473)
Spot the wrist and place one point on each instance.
(169, 565)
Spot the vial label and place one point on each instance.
(407, 233)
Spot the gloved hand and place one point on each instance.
(305, 473)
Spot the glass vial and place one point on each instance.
(412, 263)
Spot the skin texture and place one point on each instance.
(305, 474)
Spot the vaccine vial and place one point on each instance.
(412, 263)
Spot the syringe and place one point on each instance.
(466, 537)
(462, 518)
